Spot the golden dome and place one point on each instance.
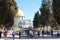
(20, 13)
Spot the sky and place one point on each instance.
(29, 7)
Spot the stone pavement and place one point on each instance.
(26, 38)
(30, 39)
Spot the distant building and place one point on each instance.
(25, 23)
(20, 21)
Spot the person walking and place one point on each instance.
(31, 33)
(0, 33)
(5, 34)
(42, 33)
(58, 34)
(28, 33)
(38, 34)
(51, 32)
(13, 34)
(19, 34)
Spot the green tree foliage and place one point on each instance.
(8, 9)
(40, 18)
(45, 12)
(52, 21)
(56, 10)
(36, 20)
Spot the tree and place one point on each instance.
(8, 9)
(36, 20)
(56, 10)
(53, 22)
(45, 12)
(40, 18)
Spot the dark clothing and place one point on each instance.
(28, 32)
(42, 33)
(51, 32)
(13, 34)
(0, 34)
(38, 33)
(19, 34)
(48, 33)
(58, 34)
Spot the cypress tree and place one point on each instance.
(45, 13)
(36, 20)
(56, 10)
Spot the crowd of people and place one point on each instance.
(5, 33)
(30, 33)
(38, 33)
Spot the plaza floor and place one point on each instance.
(30, 39)
(45, 37)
